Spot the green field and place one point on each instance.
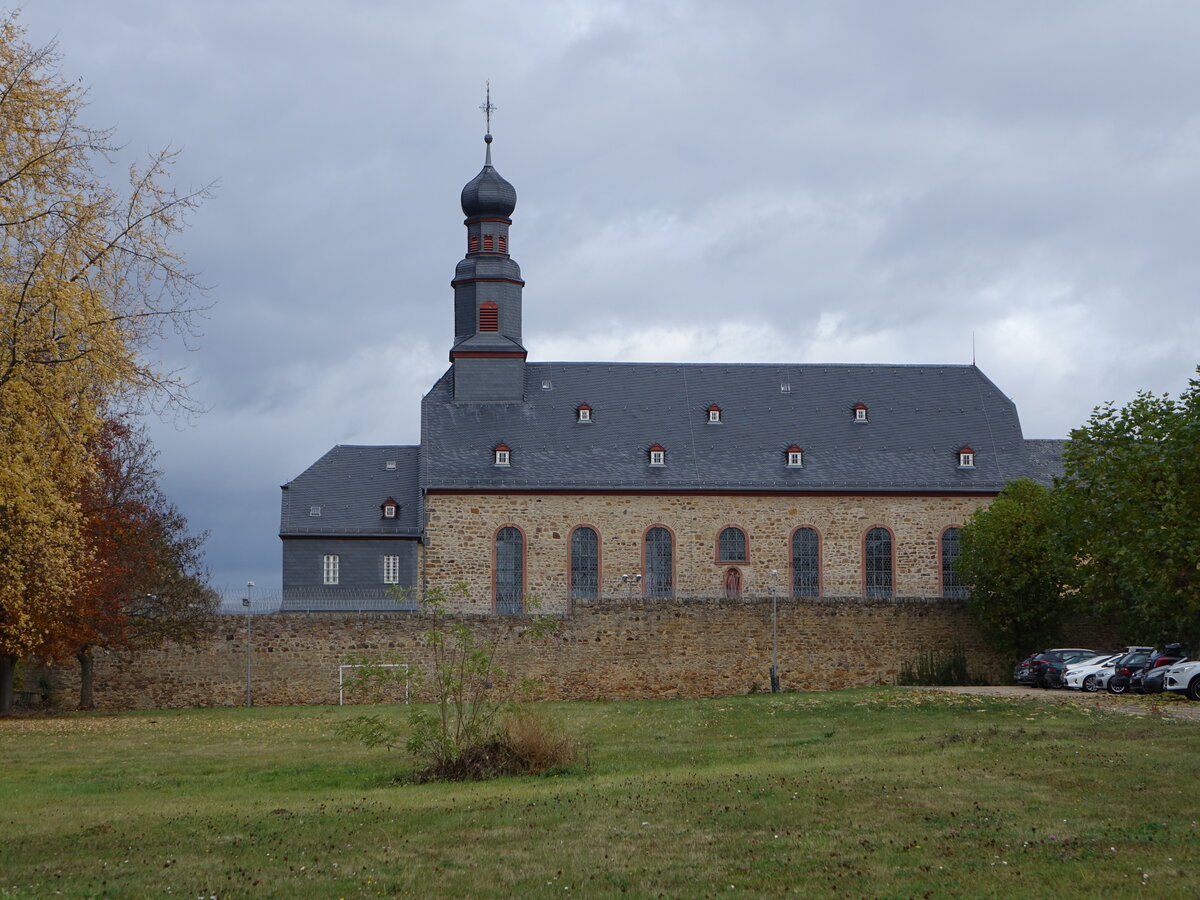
(883, 793)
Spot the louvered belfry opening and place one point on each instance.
(489, 316)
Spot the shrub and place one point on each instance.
(475, 727)
(936, 668)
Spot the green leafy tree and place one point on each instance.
(1013, 559)
(1131, 496)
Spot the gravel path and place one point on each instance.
(1127, 704)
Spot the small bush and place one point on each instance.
(936, 668)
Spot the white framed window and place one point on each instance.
(391, 570)
(502, 456)
(329, 568)
(714, 415)
(658, 456)
(314, 510)
(584, 413)
(795, 458)
(966, 460)
(860, 413)
(389, 512)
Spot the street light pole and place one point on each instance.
(774, 633)
(249, 636)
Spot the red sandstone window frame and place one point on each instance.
(863, 558)
(674, 559)
(941, 562)
(524, 563)
(720, 560)
(820, 559)
(599, 559)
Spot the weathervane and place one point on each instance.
(487, 106)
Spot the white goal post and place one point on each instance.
(342, 674)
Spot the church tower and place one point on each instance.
(488, 358)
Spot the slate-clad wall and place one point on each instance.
(605, 650)
(462, 528)
(489, 378)
(360, 571)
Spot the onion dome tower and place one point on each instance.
(488, 358)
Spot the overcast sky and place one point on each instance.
(696, 181)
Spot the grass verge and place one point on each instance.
(884, 792)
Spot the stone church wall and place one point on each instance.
(462, 528)
(604, 650)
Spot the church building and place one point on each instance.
(548, 483)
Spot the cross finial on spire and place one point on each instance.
(487, 107)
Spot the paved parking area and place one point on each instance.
(1126, 704)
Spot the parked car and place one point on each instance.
(1149, 680)
(1184, 678)
(1081, 676)
(1123, 669)
(1103, 675)
(1045, 669)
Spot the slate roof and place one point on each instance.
(919, 417)
(349, 484)
(1045, 459)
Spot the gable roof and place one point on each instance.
(920, 416)
(350, 484)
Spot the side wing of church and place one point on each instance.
(541, 484)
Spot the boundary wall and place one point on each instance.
(604, 650)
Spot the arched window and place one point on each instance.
(731, 545)
(659, 563)
(585, 563)
(733, 582)
(806, 562)
(951, 586)
(877, 563)
(510, 570)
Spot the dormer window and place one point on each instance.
(389, 464)
(391, 509)
(314, 510)
(795, 457)
(966, 458)
(658, 456)
(714, 415)
(583, 413)
(389, 512)
(489, 316)
(860, 412)
(502, 455)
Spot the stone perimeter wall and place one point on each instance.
(604, 650)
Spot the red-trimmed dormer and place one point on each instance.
(389, 509)
(502, 455)
(966, 457)
(583, 414)
(657, 455)
(860, 412)
(714, 415)
(795, 457)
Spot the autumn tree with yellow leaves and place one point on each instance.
(88, 283)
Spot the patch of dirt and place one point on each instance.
(1164, 704)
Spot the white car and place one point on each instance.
(1081, 676)
(1100, 681)
(1184, 678)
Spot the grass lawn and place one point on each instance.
(881, 792)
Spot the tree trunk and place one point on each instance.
(87, 669)
(8, 669)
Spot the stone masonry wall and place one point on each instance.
(462, 529)
(609, 649)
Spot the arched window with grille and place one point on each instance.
(510, 570)
(806, 562)
(731, 545)
(660, 562)
(585, 563)
(877, 563)
(951, 547)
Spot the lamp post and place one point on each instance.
(249, 636)
(774, 633)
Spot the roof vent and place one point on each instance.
(390, 465)
(547, 384)
(314, 510)
(785, 387)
